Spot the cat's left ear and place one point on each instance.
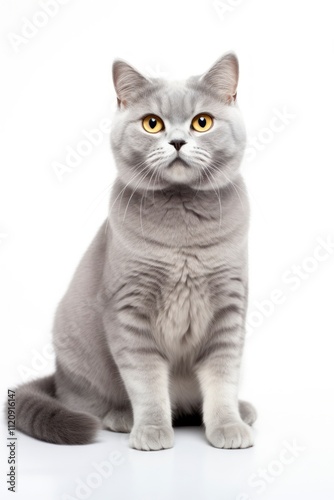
(223, 78)
(127, 82)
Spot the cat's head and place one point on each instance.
(178, 133)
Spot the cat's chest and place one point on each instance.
(184, 308)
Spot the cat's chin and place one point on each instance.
(179, 172)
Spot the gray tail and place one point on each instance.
(40, 415)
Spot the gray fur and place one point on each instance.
(152, 325)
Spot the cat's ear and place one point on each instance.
(223, 77)
(127, 82)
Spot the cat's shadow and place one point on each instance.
(193, 420)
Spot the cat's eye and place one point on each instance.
(153, 124)
(202, 122)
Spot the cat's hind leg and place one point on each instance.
(119, 420)
(247, 412)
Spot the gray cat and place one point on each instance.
(153, 323)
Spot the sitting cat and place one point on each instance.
(153, 323)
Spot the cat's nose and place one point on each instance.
(177, 144)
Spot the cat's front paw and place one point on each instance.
(232, 435)
(152, 437)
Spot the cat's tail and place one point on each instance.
(40, 415)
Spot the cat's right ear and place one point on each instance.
(222, 78)
(127, 82)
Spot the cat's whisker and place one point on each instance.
(200, 184)
(154, 156)
(235, 189)
(154, 171)
(230, 182)
(249, 194)
(121, 199)
(120, 194)
(217, 194)
(133, 192)
(106, 191)
(141, 220)
(131, 180)
(157, 176)
(140, 207)
(218, 166)
(158, 172)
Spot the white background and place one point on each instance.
(56, 84)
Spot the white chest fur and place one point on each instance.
(184, 309)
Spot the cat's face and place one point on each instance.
(178, 133)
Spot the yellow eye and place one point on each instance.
(202, 122)
(153, 124)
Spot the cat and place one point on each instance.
(152, 325)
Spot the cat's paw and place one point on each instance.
(247, 412)
(232, 435)
(152, 437)
(118, 420)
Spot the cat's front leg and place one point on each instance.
(146, 380)
(146, 377)
(218, 373)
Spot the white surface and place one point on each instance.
(192, 469)
(56, 86)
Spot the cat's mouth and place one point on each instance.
(177, 163)
(180, 172)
